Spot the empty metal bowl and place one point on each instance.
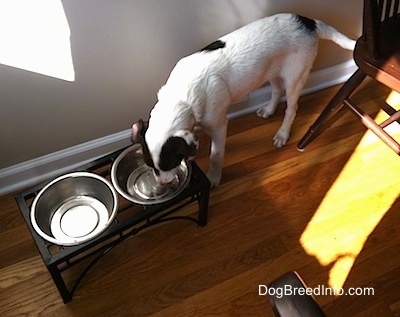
(74, 208)
(135, 181)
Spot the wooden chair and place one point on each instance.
(377, 55)
(290, 297)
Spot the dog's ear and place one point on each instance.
(189, 149)
(182, 145)
(138, 131)
(181, 148)
(174, 150)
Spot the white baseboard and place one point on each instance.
(44, 168)
(29, 173)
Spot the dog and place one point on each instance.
(278, 49)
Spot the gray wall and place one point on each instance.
(123, 51)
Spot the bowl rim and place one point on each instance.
(80, 240)
(131, 198)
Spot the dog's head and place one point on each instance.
(164, 153)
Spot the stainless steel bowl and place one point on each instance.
(135, 181)
(74, 208)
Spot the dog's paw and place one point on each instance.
(264, 112)
(214, 179)
(280, 139)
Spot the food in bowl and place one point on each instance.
(135, 181)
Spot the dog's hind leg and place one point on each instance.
(218, 140)
(293, 87)
(276, 94)
(294, 72)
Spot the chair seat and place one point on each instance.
(385, 71)
(377, 55)
(294, 304)
(385, 68)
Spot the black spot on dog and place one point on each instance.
(306, 23)
(214, 46)
(174, 151)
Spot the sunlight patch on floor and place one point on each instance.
(355, 204)
(35, 36)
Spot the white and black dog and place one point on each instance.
(279, 49)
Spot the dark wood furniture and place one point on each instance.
(291, 297)
(377, 55)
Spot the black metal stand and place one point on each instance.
(130, 220)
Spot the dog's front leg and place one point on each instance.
(218, 140)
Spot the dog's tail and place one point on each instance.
(327, 32)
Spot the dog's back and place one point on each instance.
(250, 56)
(258, 51)
(279, 49)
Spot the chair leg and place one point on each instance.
(374, 127)
(332, 108)
(394, 117)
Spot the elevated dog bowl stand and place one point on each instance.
(130, 220)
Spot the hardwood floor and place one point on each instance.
(330, 213)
